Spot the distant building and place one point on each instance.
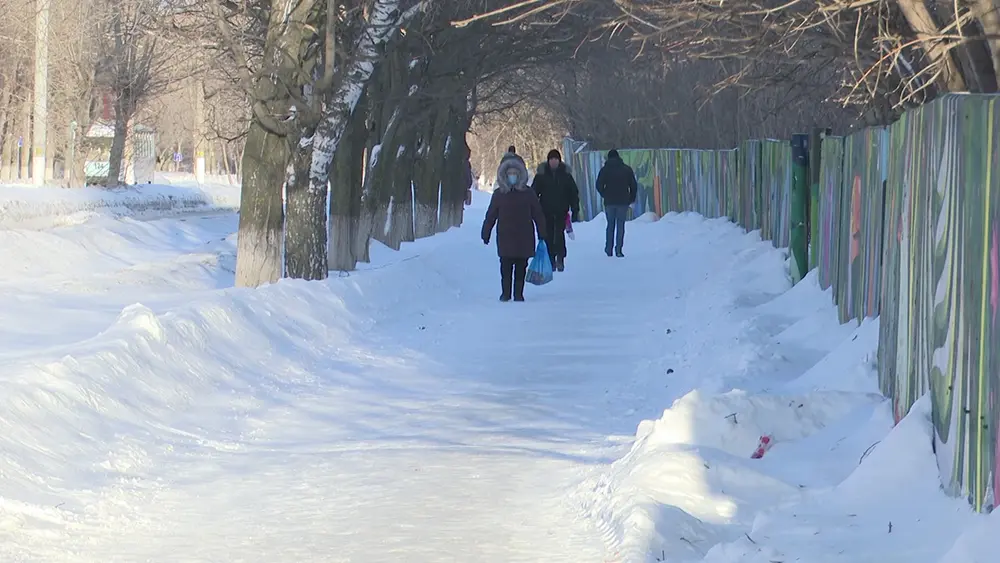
(140, 148)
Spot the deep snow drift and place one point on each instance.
(31, 207)
(400, 413)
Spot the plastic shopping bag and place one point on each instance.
(569, 226)
(540, 269)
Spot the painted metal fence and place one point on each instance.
(751, 184)
(941, 284)
(907, 230)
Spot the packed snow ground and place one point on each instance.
(400, 413)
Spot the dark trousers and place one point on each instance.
(615, 234)
(556, 226)
(512, 274)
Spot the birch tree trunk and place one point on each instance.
(382, 24)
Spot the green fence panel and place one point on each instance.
(940, 284)
(827, 244)
(904, 227)
(864, 175)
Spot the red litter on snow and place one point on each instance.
(765, 443)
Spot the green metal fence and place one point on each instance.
(905, 228)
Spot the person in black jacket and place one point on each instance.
(618, 187)
(511, 153)
(559, 196)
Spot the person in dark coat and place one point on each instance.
(517, 215)
(618, 187)
(470, 180)
(512, 153)
(559, 195)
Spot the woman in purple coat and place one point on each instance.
(517, 215)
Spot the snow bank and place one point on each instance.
(82, 426)
(44, 207)
(978, 544)
(785, 368)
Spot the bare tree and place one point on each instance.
(135, 65)
(885, 54)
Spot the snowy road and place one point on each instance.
(401, 413)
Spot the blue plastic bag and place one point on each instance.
(540, 269)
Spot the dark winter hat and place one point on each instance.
(511, 149)
(613, 153)
(554, 154)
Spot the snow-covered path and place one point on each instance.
(401, 413)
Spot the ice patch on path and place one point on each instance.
(26, 207)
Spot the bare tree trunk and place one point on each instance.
(388, 113)
(258, 252)
(51, 142)
(26, 137)
(225, 162)
(6, 158)
(305, 224)
(455, 159)
(920, 20)
(428, 170)
(401, 221)
(9, 124)
(345, 195)
(76, 168)
(6, 125)
(116, 160)
(990, 22)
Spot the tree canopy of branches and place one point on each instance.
(372, 98)
(879, 55)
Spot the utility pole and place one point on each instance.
(199, 130)
(41, 117)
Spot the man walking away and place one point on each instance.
(559, 195)
(618, 187)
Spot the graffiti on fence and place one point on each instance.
(907, 229)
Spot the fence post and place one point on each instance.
(812, 216)
(798, 237)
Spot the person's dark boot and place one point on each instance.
(619, 254)
(560, 264)
(519, 277)
(506, 281)
(608, 252)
